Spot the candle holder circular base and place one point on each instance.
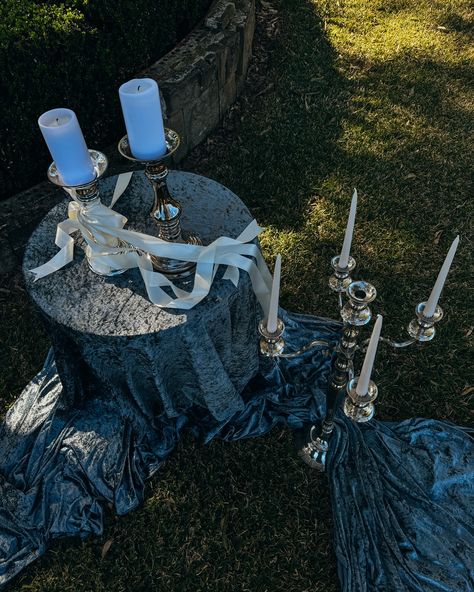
(422, 328)
(271, 344)
(360, 408)
(166, 210)
(88, 195)
(356, 311)
(341, 278)
(313, 449)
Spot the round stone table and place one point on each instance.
(105, 331)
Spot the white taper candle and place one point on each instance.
(272, 320)
(432, 301)
(364, 378)
(346, 245)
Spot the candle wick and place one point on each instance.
(57, 120)
(138, 89)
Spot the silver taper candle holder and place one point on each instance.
(357, 311)
(271, 344)
(355, 314)
(87, 195)
(166, 210)
(423, 328)
(341, 278)
(360, 408)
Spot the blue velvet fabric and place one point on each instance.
(402, 492)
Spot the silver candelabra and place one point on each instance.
(354, 300)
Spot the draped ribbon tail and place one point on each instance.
(247, 235)
(66, 253)
(120, 187)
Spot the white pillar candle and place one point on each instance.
(272, 320)
(346, 245)
(141, 106)
(364, 378)
(63, 135)
(432, 301)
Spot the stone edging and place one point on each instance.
(201, 77)
(199, 80)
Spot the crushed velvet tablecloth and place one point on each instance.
(124, 379)
(107, 329)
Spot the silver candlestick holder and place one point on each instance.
(166, 211)
(87, 195)
(341, 278)
(360, 408)
(423, 328)
(271, 344)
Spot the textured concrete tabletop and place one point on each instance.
(75, 297)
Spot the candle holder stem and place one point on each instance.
(166, 210)
(355, 314)
(313, 451)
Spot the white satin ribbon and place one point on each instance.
(101, 228)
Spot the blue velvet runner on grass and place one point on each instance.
(402, 492)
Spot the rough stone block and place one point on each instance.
(220, 15)
(228, 94)
(203, 115)
(246, 27)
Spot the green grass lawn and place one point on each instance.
(373, 94)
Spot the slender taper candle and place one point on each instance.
(141, 106)
(364, 378)
(63, 135)
(272, 321)
(432, 301)
(346, 245)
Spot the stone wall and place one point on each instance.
(201, 77)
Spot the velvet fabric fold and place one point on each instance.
(402, 492)
(403, 504)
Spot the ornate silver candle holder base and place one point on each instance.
(360, 408)
(271, 344)
(341, 278)
(312, 449)
(166, 211)
(422, 328)
(86, 196)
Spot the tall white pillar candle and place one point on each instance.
(432, 301)
(346, 245)
(363, 382)
(141, 106)
(63, 135)
(272, 320)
